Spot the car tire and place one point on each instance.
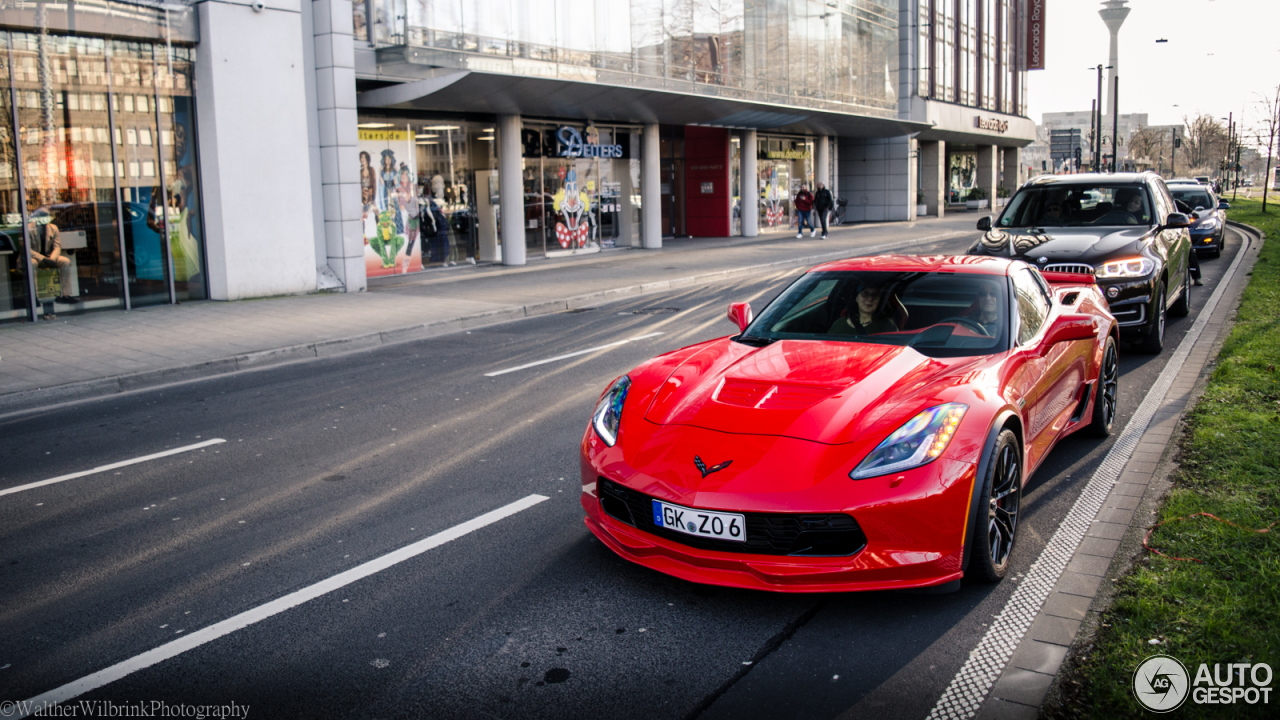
(1220, 245)
(1182, 307)
(996, 527)
(1107, 392)
(1153, 342)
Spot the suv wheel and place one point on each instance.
(1153, 343)
(1220, 245)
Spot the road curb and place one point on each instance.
(29, 400)
(1067, 620)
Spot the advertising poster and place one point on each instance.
(389, 200)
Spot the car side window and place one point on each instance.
(1164, 203)
(1033, 305)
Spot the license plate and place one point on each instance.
(703, 523)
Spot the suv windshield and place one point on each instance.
(1062, 205)
(1194, 197)
(937, 314)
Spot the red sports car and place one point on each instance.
(872, 429)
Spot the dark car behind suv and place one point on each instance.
(1122, 228)
(1209, 218)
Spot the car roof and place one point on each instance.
(966, 264)
(1092, 179)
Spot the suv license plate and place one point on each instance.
(703, 523)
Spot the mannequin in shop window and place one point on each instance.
(49, 261)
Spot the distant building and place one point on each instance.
(1127, 125)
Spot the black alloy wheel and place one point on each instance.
(1182, 307)
(1104, 404)
(1153, 343)
(997, 528)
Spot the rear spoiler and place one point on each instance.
(1069, 278)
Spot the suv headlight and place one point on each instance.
(1208, 223)
(608, 412)
(1126, 268)
(921, 440)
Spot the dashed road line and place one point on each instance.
(262, 612)
(112, 466)
(572, 354)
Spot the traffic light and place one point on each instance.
(1044, 165)
(1177, 142)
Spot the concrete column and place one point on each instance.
(335, 96)
(260, 229)
(934, 183)
(913, 181)
(1012, 169)
(750, 185)
(511, 189)
(650, 189)
(987, 165)
(822, 161)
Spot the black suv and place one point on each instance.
(1122, 228)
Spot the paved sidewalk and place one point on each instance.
(103, 353)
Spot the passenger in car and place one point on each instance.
(864, 316)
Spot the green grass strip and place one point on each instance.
(1226, 607)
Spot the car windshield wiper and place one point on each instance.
(754, 340)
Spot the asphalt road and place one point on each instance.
(333, 463)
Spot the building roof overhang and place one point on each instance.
(470, 91)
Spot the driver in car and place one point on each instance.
(987, 310)
(863, 316)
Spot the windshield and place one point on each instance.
(1076, 205)
(1194, 197)
(938, 314)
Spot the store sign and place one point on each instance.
(571, 145)
(385, 135)
(1035, 34)
(993, 124)
(785, 155)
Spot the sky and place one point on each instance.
(1221, 55)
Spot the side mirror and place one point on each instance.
(740, 314)
(1071, 327)
(1176, 220)
(984, 223)
(1224, 205)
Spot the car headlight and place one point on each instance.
(1209, 223)
(1126, 268)
(921, 440)
(608, 413)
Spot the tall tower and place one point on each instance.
(1113, 13)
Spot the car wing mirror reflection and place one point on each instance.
(740, 314)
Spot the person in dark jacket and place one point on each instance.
(823, 204)
(804, 206)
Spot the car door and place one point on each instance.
(1056, 371)
(1174, 243)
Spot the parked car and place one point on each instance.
(801, 455)
(1208, 214)
(1123, 228)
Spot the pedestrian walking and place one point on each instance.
(804, 207)
(823, 204)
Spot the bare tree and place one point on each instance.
(1270, 124)
(1204, 141)
(1147, 144)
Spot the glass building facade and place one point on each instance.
(969, 53)
(839, 56)
(98, 160)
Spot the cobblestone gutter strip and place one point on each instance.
(967, 691)
(104, 387)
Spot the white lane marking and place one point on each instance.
(967, 691)
(112, 466)
(572, 354)
(275, 607)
